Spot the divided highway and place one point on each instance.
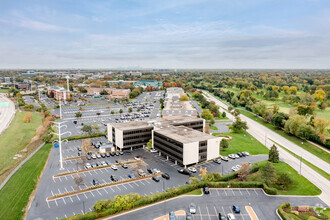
(7, 112)
(265, 135)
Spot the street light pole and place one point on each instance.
(59, 134)
(60, 109)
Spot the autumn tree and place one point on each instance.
(320, 124)
(206, 114)
(243, 172)
(319, 95)
(207, 129)
(27, 117)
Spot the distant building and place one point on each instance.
(23, 86)
(119, 82)
(113, 93)
(7, 79)
(174, 107)
(133, 73)
(148, 82)
(60, 94)
(29, 73)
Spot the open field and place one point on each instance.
(15, 194)
(16, 137)
(300, 185)
(242, 142)
(303, 144)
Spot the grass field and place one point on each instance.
(303, 144)
(213, 128)
(15, 194)
(195, 192)
(4, 90)
(16, 137)
(242, 142)
(300, 185)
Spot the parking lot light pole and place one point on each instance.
(60, 109)
(59, 134)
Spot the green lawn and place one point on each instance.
(303, 144)
(195, 192)
(4, 90)
(214, 128)
(242, 142)
(300, 185)
(15, 194)
(16, 137)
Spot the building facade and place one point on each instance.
(146, 83)
(113, 93)
(60, 94)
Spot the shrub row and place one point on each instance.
(104, 209)
(72, 138)
(282, 213)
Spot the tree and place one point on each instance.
(268, 173)
(305, 109)
(291, 126)
(236, 112)
(319, 95)
(112, 112)
(321, 124)
(284, 180)
(206, 114)
(78, 180)
(223, 114)
(78, 114)
(273, 154)
(212, 121)
(276, 108)
(121, 111)
(95, 128)
(243, 172)
(207, 129)
(285, 89)
(259, 108)
(278, 120)
(27, 117)
(307, 99)
(88, 129)
(184, 97)
(293, 90)
(238, 125)
(234, 101)
(130, 109)
(305, 131)
(149, 144)
(224, 143)
(104, 92)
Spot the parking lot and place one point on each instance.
(221, 201)
(29, 100)
(83, 202)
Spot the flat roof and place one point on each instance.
(184, 134)
(158, 122)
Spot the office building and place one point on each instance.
(60, 94)
(148, 83)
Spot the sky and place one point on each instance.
(188, 34)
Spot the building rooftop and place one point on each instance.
(184, 134)
(159, 122)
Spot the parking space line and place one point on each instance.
(218, 192)
(232, 191)
(135, 183)
(105, 190)
(99, 192)
(240, 191)
(60, 179)
(64, 201)
(72, 188)
(215, 209)
(71, 199)
(130, 185)
(56, 202)
(118, 188)
(78, 197)
(200, 214)
(142, 182)
(48, 204)
(225, 192)
(92, 193)
(124, 186)
(208, 213)
(100, 170)
(59, 191)
(52, 192)
(255, 192)
(85, 195)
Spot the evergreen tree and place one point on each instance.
(273, 154)
(268, 173)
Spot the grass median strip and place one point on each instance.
(56, 196)
(320, 171)
(15, 194)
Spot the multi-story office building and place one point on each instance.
(184, 145)
(180, 139)
(136, 134)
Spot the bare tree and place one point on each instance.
(78, 180)
(244, 171)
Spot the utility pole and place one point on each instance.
(59, 134)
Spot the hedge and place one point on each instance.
(282, 213)
(72, 138)
(170, 193)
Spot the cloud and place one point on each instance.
(22, 21)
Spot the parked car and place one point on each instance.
(221, 216)
(131, 176)
(156, 170)
(192, 169)
(230, 216)
(153, 151)
(113, 178)
(98, 156)
(224, 158)
(137, 158)
(218, 161)
(112, 154)
(246, 153)
(125, 166)
(141, 172)
(121, 153)
(107, 154)
(188, 216)
(94, 156)
(184, 171)
(78, 148)
(103, 163)
(156, 178)
(231, 156)
(206, 190)
(95, 182)
(88, 166)
(103, 155)
(114, 167)
(166, 176)
(171, 216)
(236, 209)
(192, 208)
(117, 153)
(88, 157)
(150, 170)
(234, 168)
(236, 156)
(240, 154)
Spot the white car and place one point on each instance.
(137, 158)
(153, 151)
(234, 168)
(236, 156)
(88, 166)
(192, 208)
(98, 156)
(114, 167)
(192, 169)
(246, 153)
(224, 158)
(231, 156)
(230, 216)
(103, 163)
(238, 167)
(156, 170)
